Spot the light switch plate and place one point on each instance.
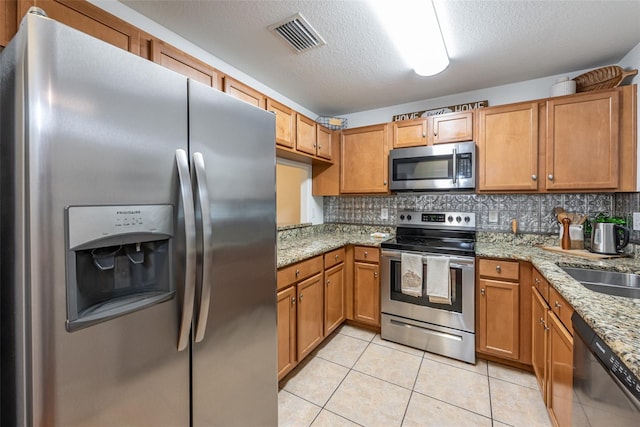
(384, 213)
(493, 217)
(636, 220)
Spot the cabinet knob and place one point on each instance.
(541, 321)
(424, 134)
(297, 272)
(328, 282)
(336, 257)
(546, 328)
(385, 182)
(498, 268)
(375, 274)
(482, 291)
(314, 145)
(550, 177)
(366, 254)
(293, 300)
(319, 146)
(537, 281)
(300, 298)
(534, 177)
(435, 134)
(557, 305)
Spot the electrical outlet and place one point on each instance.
(636, 220)
(493, 217)
(384, 213)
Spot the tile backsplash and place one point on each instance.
(625, 204)
(532, 211)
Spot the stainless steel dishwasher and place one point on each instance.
(607, 393)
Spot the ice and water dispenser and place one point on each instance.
(118, 261)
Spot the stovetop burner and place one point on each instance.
(452, 233)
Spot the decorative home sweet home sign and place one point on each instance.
(442, 110)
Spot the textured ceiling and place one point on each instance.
(490, 43)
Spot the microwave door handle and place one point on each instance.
(455, 165)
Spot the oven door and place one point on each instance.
(458, 315)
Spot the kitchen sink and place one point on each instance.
(607, 282)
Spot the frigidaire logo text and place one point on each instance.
(127, 212)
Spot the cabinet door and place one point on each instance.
(285, 123)
(286, 331)
(305, 135)
(364, 160)
(508, 148)
(244, 93)
(323, 136)
(539, 322)
(8, 21)
(334, 298)
(310, 315)
(178, 61)
(366, 293)
(499, 318)
(455, 127)
(89, 19)
(582, 142)
(560, 383)
(409, 133)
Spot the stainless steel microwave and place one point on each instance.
(436, 167)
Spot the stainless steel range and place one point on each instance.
(428, 279)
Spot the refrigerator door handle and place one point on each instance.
(186, 195)
(205, 228)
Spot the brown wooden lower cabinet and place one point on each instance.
(560, 381)
(499, 318)
(552, 352)
(366, 285)
(334, 298)
(286, 308)
(310, 315)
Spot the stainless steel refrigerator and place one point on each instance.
(138, 242)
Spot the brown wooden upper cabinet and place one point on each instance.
(82, 16)
(8, 21)
(174, 59)
(440, 129)
(582, 142)
(508, 147)
(323, 138)
(364, 159)
(244, 93)
(454, 127)
(305, 135)
(285, 123)
(410, 133)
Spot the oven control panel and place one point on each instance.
(465, 220)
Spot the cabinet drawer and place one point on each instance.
(296, 272)
(366, 254)
(333, 258)
(499, 269)
(541, 284)
(561, 308)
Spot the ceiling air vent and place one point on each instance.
(298, 33)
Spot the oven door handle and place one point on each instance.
(454, 262)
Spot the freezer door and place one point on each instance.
(101, 128)
(232, 146)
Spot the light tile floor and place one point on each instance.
(356, 378)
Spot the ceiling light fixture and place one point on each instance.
(413, 27)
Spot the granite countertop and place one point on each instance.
(298, 249)
(615, 319)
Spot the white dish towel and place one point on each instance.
(411, 272)
(438, 280)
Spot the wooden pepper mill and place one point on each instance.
(566, 239)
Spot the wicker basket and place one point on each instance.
(602, 78)
(333, 123)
